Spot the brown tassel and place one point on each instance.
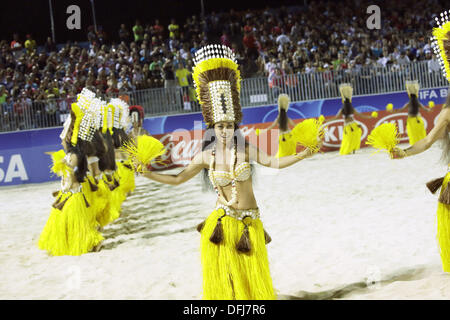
(244, 244)
(92, 186)
(445, 195)
(60, 205)
(54, 205)
(435, 184)
(110, 186)
(200, 226)
(86, 202)
(217, 235)
(55, 193)
(267, 238)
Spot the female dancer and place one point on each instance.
(414, 125)
(351, 139)
(71, 227)
(233, 252)
(440, 131)
(286, 145)
(137, 119)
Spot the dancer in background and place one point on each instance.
(71, 227)
(440, 131)
(137, 120)
(351, 139)
(414, 125)
(286, 144)
(233, 241)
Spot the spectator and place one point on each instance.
(30, 44)
(403, 59)
(174, 29)
(433, 64)
(138, 32)
(182, 74)
(124, 34)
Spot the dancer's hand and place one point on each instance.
(398, 153)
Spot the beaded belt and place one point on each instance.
(239, 213)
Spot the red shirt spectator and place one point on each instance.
(249, 41)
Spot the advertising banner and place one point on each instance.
(23, 157)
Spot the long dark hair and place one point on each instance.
(82, 166)
(209, 138)
(414, 104)
(282, 120)
(347, 108)
(108, 161)
(119, 137)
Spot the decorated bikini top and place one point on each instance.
(241, 173)
(223, 178)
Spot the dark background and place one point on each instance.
(23, 17)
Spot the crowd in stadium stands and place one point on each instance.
(323, 36)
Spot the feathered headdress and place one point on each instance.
(121, 113)
(441, 42)
(412, 87)
(217, 81)
(283, 102)
(83, 120)
(346, 90)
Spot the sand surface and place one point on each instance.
(343, 227)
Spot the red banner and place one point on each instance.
(182, 145)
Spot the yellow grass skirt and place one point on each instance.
(286, 145)
(103, 206)
(91, 198)
(415, 129)
(443, 228)
(351, 140)
(69, 231)
(126, 177)
(229, 274)
(117, 197)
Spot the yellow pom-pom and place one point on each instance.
(374, 114)
(144, 150)
(59, 165)
(431, 104)
(384, 137)
(321, 118)
(389, 107)
(308, 133)
(257, 131)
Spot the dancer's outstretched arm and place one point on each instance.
(427, 109)
(189, 172)
(272, 125)
(338, 115)
(362, 115)
(401, 109)
(266, 160)
(420, 146)
(291, 123)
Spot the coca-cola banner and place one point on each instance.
(23, 158)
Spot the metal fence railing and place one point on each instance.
(27, 114)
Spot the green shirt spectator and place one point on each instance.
(138, 31)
